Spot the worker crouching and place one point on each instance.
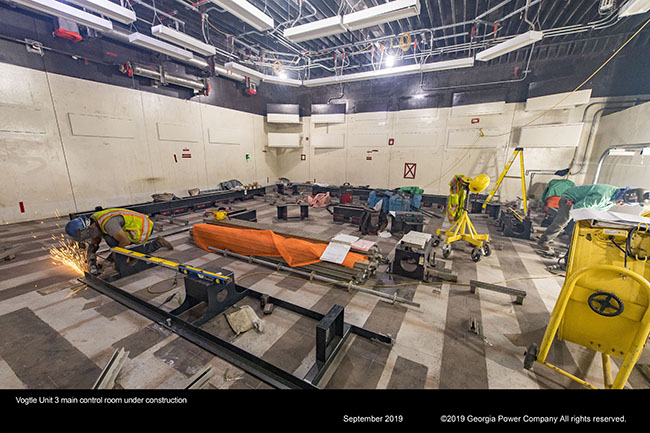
(599, 197)
(119, 228)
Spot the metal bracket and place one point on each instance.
(519, 294)
(331, 334)
(34, 47)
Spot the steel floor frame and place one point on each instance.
(252, 364)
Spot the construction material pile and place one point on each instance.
(287, 247)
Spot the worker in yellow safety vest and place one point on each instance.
(118, 227)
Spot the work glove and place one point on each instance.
(94, 269)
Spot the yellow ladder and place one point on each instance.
(519, 152)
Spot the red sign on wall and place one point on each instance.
(409, 170)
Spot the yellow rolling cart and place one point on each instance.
(604, 304)
(463, 229)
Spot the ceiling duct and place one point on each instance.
(165, 78)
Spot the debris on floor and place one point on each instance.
(244, 319)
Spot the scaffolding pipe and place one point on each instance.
(168, 78)
(313, 276)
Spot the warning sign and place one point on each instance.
(409, 170)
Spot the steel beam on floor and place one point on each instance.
(238, 357)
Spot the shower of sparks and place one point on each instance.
(70, 254)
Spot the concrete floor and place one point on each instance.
(57, 334)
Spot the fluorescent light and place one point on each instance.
(390, 61)
(274, 79)
(634, 7)
(621, 152)
(510, 45)
(55, 8)
(466, 62)
(389, 72)
(247, 13)
(391, 11)
(108, 9)
(153, 44)
(317, 29)
(232, 66)
(282, 80)
(180, 38)
(381, 73)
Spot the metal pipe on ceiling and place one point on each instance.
(222, 71)
(124, 37)
(608, 105)
(159, 12)
(164, 77)
(516, 80)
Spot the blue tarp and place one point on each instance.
(392, 201)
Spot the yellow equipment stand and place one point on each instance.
(463, 230)
(519, 152)
(604, 304)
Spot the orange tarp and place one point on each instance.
(264, 243)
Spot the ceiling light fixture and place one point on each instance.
(634, 7)
(108, 9)
(390, 61)
(621, 152)
(389, 72)
(375, 15)
(466, 62)
(182, 39)
(247, 13)
(316, 29)
(58, 9)
(154, 44)
(282, 80)
(259, 76)
(510, 45)
(334, 79)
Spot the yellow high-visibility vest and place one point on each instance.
(137, 226)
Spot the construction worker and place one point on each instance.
(555, 188)
(118, 227)
(599, 197)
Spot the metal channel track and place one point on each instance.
(251, 364)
